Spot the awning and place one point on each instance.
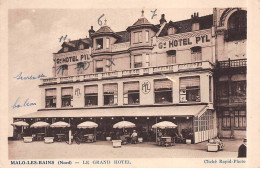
(194, 110)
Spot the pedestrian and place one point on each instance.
(242, 149)
(134, 136)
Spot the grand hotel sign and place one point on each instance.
(200, 38)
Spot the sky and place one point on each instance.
(34, 35)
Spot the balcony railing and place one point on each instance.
(132, 72)
(232, 63)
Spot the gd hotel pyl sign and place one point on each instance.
(146, 87)
(191, 41)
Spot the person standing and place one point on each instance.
(242, 149)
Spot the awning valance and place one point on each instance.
(194, 110)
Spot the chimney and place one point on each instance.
(195, 22)
(91, 31)
(162, 20)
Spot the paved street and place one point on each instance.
(104, 149)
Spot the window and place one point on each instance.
(66, 97)
(163, 91)
(99, 66)
(237, 26)
(131, 93)
(91, 95)
(80, 68)
(238, 88)
(240, 119)
(66, 49)
(110, 94)
(146, 36)
(138, 37)
(81, 46)
(138, 61)
(50, 98)
(62, 70)
(210, 89)
(107, 42)
(171, 31)
(196, 54)
(171, 56)
(222, 89)
(147, 60)
(226, 120)
(190, 89)
(99, 44)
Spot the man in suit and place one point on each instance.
(242, 149)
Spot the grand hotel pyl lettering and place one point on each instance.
(82, 57)
(184, 41)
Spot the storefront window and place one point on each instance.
(50, 98)
(131, 93)
(226, 120)
(91, 95)
(138, 61)
(240, 119)
(190, 89)
(110, 94)
(66, 97)
(163, 91)
(196, 54)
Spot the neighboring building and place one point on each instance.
(146, 74)
(230, 73)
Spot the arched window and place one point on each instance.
(237, 26)
(81, 46)
(62, 70)
(196, 54)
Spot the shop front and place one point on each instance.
(194, 122)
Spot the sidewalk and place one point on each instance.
(104, 149)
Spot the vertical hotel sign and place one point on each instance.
(185, 40)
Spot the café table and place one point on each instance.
(60, 137)
(40, 136)
(166, 141)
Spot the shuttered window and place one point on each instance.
(131, 93)
(91, 95)
(110, 94)
(190, 89)
(163, 91)
(50, 98)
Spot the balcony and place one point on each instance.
(131, 72)
(232, 63)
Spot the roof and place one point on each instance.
(193, 110)
(183, 26)
(104, 29)
(74, 44)
(125, 37)
(141, 21)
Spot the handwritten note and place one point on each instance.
(19, 104)
(64, 38)
(154, 13)
(99, 21)
(21, 77)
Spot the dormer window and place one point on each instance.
(171, 31)
(66, 49)
(99, 44)
(138, 37)
(195, 26)
(81, 46)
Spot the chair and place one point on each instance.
(123, 139)
(167, 142)
(134, 140)
(90, 138)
